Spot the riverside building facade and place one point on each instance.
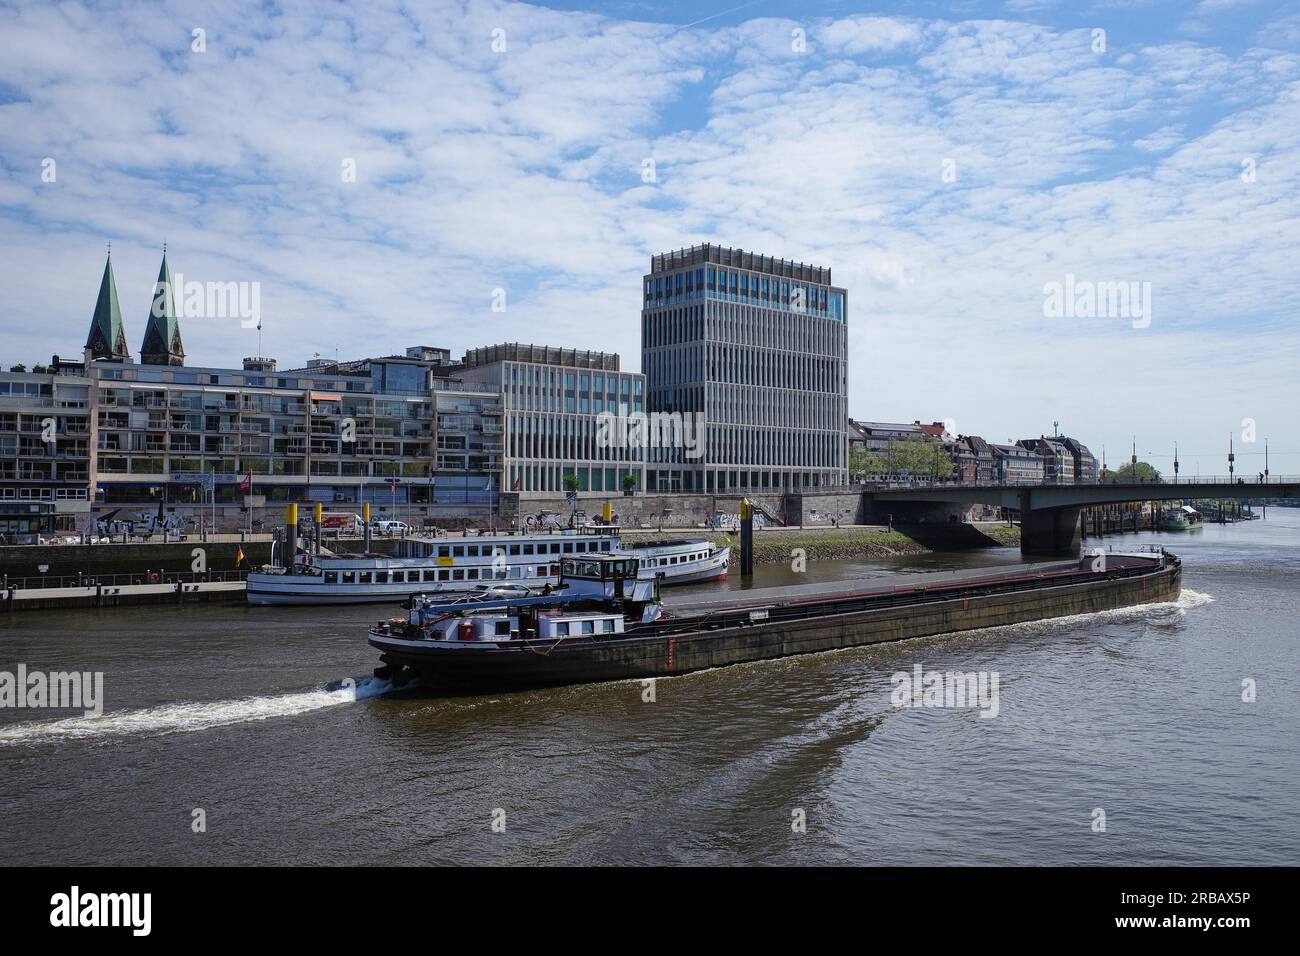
(106, 435)
(554, 401)
(755, 350)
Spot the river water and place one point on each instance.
(1137, 713)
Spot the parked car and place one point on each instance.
(388, 526)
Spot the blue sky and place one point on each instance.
(819, 131)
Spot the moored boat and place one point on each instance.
(1183, 518)
(613, 623)
(459, 564)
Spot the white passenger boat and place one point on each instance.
(454, 564)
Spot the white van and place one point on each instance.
(387, 526)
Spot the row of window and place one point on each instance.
(735, 286)
(601, 625)
(439, 575)
(593, 545)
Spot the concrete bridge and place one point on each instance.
(1049, 514)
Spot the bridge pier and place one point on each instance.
(1048, 531)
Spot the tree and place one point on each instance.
(572, 484)
(629, 481)
(858, 460)
(1144, 473)
(915, 456)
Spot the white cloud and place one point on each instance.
(522, 170)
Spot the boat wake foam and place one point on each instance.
(1162, 611)
(190, 717)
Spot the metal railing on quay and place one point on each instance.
(118, 580)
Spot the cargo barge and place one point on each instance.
(612, 623)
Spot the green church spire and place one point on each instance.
(107, 341)
(162, 333)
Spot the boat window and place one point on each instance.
(444, 575)
(562, 629)
(472, 574)
(331, 577)
(430, 574)
(516, 572)
(541, 570)
(444, 551)
(458, 551)
(606, 626)
(588, 627)
(568, 547)
(514, 549)
(458, 574)
(503, 628)
(555, 570)
(363, 577)
(381, 577)
(471, 551)
(555, 547)
(399, 577)
(349, 577)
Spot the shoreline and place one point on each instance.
(774, 545)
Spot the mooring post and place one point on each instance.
(319, 517)
(290, 535)
(365, 520)
(746, 537)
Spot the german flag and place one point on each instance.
(239, 556)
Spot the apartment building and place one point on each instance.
(1017, 465)
(45, 452)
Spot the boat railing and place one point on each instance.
(41, 582)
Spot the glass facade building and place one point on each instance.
(756, 349)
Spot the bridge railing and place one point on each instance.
(1245, 480)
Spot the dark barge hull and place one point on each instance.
(852, 620)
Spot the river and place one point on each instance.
(220, 744)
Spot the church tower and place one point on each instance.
(162, 333)
(107, 341)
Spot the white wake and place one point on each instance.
(189, 717)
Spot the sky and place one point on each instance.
(457, 174)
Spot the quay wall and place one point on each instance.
(70, 560)
(124, 596)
